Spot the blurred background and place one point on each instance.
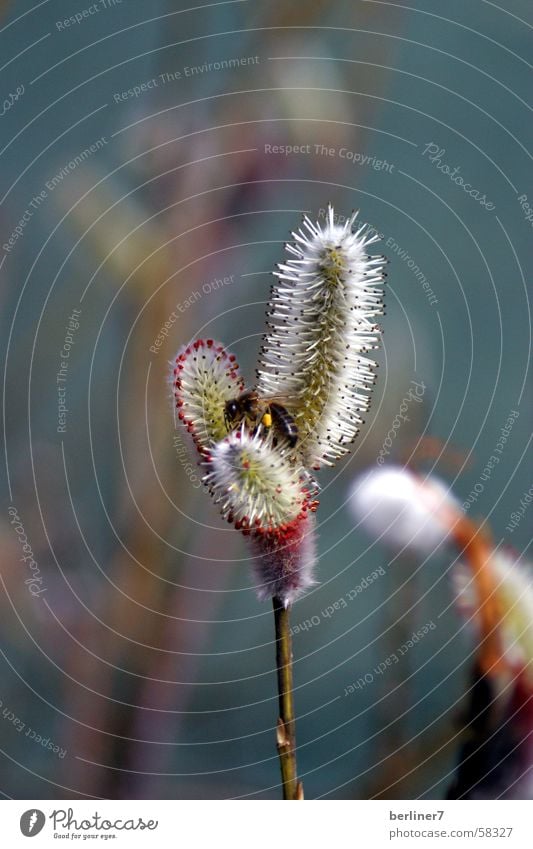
(155, 157)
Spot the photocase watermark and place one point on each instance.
(11, 99)
(413, 395)
(518, 514)
(64, 820)
(527, 209)
(435, 155)
(342, 602)
(394, 247)
(492, 461)
(185, 72)
(67, 825)
(32, 822)
(40, 198)
(35, 581)
(62, 375)
(88, 12)
(353, 156)
(70, 826)
(391, 660)
(21, 727)
(182, 307)
(184, 458)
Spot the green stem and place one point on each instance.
(286, 731)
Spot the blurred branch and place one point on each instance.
(3, 7)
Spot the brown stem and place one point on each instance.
(286, 735)
(478, 549)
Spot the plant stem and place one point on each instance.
(286, 733)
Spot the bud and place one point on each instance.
(254, 483)
(404, 510)
(319, 328)
(267, 497)
(205, 376)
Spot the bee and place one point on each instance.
(267, 412)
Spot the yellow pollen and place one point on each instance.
(266, 421)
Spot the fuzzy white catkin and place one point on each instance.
(403, 510)
(320, 326)
(204, 376)
(250, 480)
(263, 493)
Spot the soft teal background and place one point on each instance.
(381, 79)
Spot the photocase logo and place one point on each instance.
(32, 822)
